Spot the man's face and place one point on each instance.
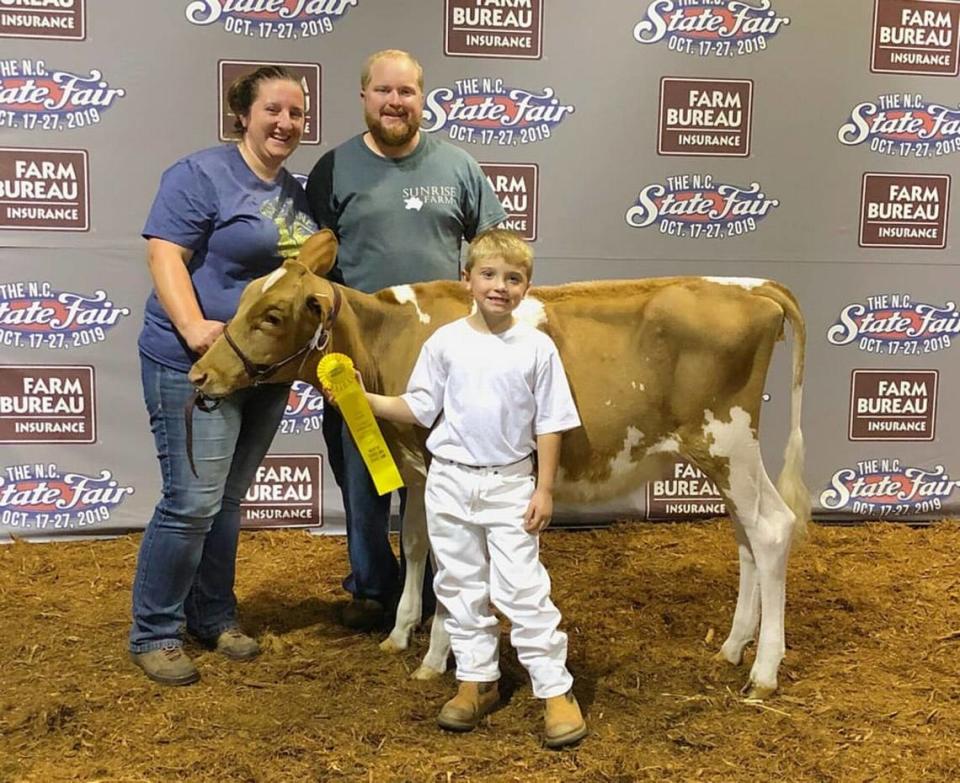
(393, 102)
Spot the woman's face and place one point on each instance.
(274, 124)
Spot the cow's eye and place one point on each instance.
(272, 319)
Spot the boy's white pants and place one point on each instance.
(483, 554)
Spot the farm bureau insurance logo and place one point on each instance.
(916, 37)
(893, 404)
(281, 19)
(894, 325)
(885, 488)
(44, 497)
(44, 190)
(63, 20)
(904, 210)
(47, 404)
(718, 28)
(694, 206)
(33, 315)
(518, 191)
(904, 125)
(486, 111)
(686, 493)
(33, 97)
(511, 28)
(705, 117)
(286, 492)
(304, 411)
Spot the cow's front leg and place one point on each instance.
(416, 549)
(435, 661)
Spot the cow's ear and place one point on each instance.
(319, 252)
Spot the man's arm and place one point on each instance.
(320, 196)
(540, 510)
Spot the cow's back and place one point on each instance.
(647, 360)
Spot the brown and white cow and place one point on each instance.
(658, 368)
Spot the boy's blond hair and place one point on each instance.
(505, 244)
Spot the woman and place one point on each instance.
(222, 217)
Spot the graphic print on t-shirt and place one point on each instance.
(294, 227)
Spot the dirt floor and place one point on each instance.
(869, 690)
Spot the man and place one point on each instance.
(401, 203)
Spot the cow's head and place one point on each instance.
(281, 318)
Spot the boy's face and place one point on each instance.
(497, 286)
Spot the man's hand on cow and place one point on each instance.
(539, 512)
(201, 334)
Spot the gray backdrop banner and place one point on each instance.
(814, 142)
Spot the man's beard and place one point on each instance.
(393, 136)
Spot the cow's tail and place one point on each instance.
(790, 483)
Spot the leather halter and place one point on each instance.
(259, 373)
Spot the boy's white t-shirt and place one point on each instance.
(494, 393)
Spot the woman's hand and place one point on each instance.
(201, 334)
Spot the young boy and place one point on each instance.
(497, 390)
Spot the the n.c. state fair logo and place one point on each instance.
(34, 97)
(886, 488)
(304, 411)
(281, 19)
(486, 111)
(46, 498)
(705, 28)
(904, 125)
(33, 315)
(695, 206)
(894, 325)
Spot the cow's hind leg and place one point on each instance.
(767, 524)
(746, 617)
(416, 549)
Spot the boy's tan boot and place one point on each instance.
(563, 721)
(473, 700)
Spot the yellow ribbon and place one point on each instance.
(335, 372)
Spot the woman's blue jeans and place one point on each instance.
(187, 561)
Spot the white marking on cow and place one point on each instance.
(620, 466)
(666, 445)
(275, 275)
(736, 441)
(743, 282)
(406, 295)
(530, 311)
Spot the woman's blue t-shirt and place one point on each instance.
(239, 228)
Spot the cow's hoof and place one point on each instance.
(731, 656)
(425, 672)
(390, 647)
(755, 692)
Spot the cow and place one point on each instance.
(658, 367)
